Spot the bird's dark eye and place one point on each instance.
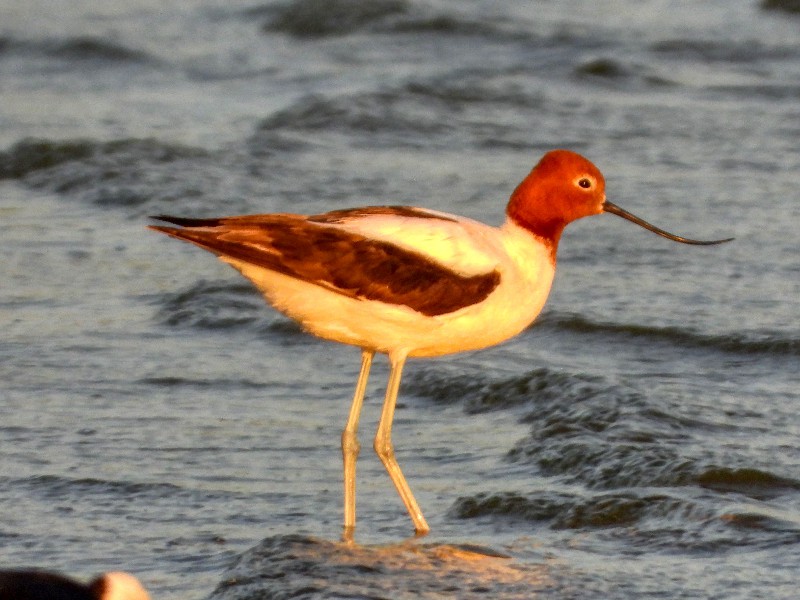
(585, 183)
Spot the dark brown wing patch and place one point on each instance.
(343, 262)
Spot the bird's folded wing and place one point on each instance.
(354, 253)
(457, 243)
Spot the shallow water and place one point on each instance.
(640, 440)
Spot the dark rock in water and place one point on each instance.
(295, 566)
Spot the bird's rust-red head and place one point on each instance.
(562, 187)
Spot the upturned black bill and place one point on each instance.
(616, 210)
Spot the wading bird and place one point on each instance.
(407, 281)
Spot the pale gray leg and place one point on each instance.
(384, 449)
(351, 447)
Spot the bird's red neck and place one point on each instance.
(544, 224)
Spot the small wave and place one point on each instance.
(482, 393)
(721, 50)
(203, 384)
(211, 305)
(512, 505)
(612, 70)
(221, 305)
(319, 18)
(31, 155)
(753, 483)
(409, 114)
(6, 44)
(80, 49)
(476, 87)
(623, 457)
(127, 172)
(602, 463)
(565, 511)
(384, 112)
(61, 487)
(95, 49)
(64, 489)
(649, 521)
(787, 6)
(451, 25)
(767, 343)
(326, 18)
(34, 154)
(768, 91)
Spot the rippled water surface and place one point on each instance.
(642, 439)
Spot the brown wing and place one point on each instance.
(338, 260)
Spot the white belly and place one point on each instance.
(526, 276)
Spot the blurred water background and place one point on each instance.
(641, 440)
